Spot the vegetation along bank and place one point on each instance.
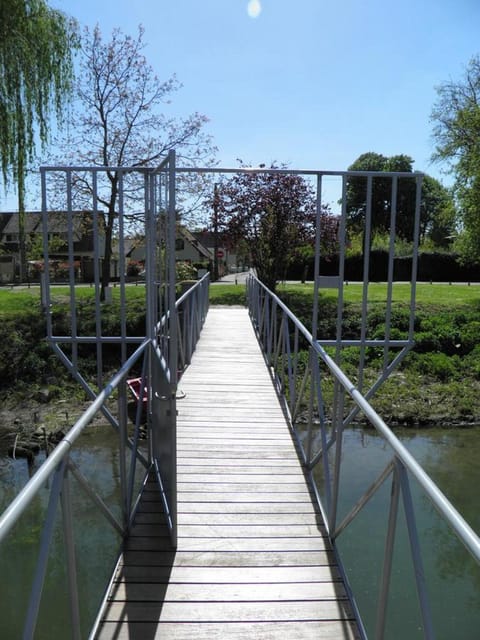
(438, 384)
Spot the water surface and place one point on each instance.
(96, 541)
(450, 457)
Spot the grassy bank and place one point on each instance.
(438, 382)
(18, 300)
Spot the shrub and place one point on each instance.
(469, 336)
(471, 362)
(438, 365)
(185, 271)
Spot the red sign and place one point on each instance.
(220, 253)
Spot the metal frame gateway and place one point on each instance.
(153, 192)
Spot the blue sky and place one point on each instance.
(312, 83)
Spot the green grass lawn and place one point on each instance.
(18, 301)
(22, 300)
(434, 294)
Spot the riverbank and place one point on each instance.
(405, 400)
(437, 384)
(28, 423)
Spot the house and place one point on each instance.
(58, 229)
(10, 241)
(10, 232)
(187, 249)
(230, 259)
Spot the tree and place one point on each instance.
(36, 72)
(117, 121)
(274, 214)
(381, 195)
(456, 118)
(437, 212)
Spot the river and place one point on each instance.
(449, 456)
(97, 543)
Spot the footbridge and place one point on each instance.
(224, 510)
(253, 559)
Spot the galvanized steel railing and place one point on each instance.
(192, 309)
(317, 418)
(57, 470)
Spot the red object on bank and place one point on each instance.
(134, 385)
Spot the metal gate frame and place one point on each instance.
(159, 370)
(399, 348)
(162, 326)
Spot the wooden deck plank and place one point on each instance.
(207, 467)
(213, 507)
(224, 543)
(212, 558)
(246, 592)
(308, 630)
(230, 611)
(227, 575)
(280, 497)
(270, 522)
(252, 508)
(253, 559)
(250, 520)
(245, 522)
(260, 534)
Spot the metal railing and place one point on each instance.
(193, 306)
(55, 474)
(315, 390)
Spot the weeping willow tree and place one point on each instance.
(36, 72)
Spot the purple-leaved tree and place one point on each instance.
(274, 215)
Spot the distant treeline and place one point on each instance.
(436, 267)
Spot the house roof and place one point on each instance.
(57, 222)
(32, 221)
(190, 237)
(4, 218)
(207, 238)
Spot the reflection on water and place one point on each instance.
(96, 542)
(453, 579)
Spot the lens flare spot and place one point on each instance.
(254, 8)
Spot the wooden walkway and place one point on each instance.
(252, 559)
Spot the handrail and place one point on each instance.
(55, 468)
(16, 508)
(466, 534)
(464, 531)
(190, 320)
(194, 289)
(271, 318)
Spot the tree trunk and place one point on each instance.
(21, 238)
(107, 255)
(21, 216)
(108, 221)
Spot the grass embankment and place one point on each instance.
(438, 382)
